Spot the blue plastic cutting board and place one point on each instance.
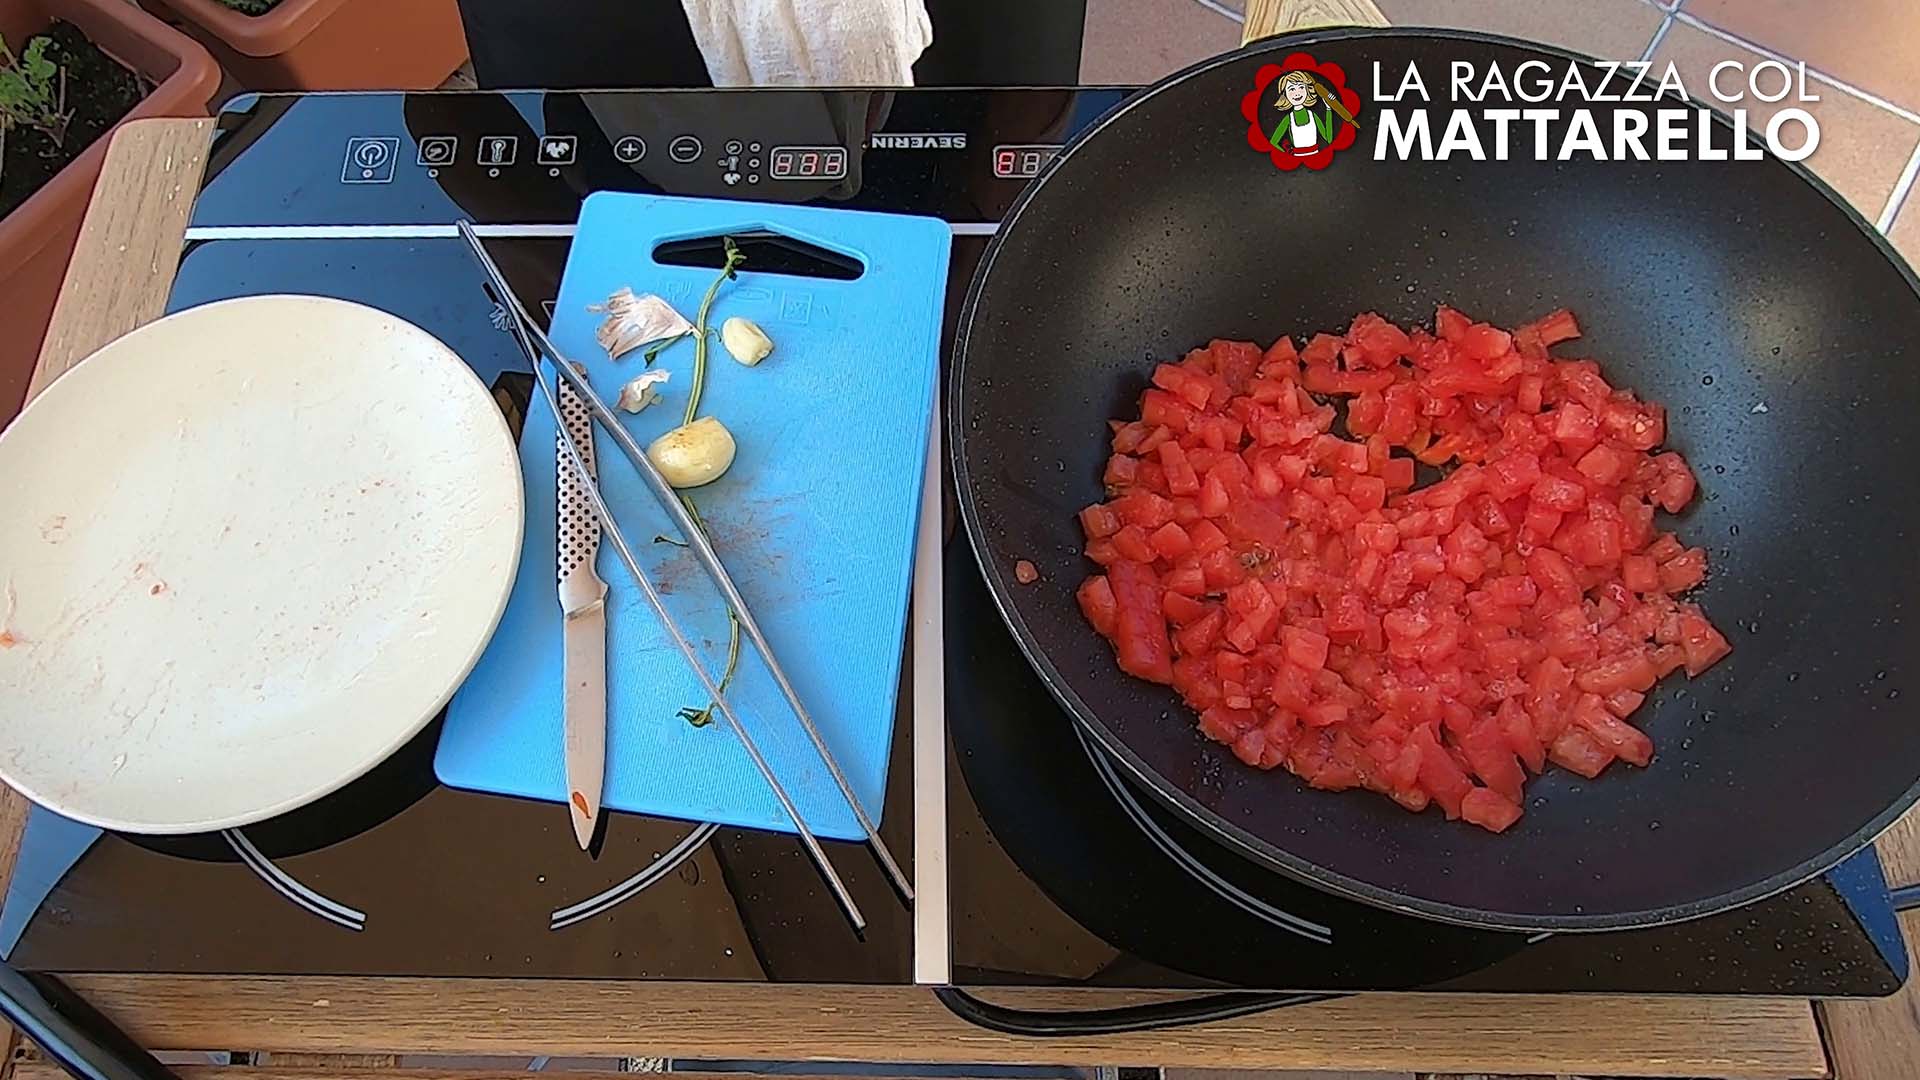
(815, 521)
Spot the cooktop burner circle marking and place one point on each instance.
(290, 887)
(635, 885)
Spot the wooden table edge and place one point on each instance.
(1690, 1036)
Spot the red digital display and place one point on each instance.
(808, 163)
(1022, 162)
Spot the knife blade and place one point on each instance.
(583, 606)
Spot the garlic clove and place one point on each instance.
(745, 340)
(693, 454)
(642, 391)
(634, 320)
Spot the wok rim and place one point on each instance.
(1000, 588)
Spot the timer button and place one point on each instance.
(685, 149)
(437, 150)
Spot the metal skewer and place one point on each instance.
(702, 549)
(612, 531)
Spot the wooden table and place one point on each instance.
(119, 279)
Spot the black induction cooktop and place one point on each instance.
(1060, 871)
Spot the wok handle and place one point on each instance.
(72, 1032)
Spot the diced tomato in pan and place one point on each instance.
(1434, 644)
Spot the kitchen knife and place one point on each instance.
(583, 605)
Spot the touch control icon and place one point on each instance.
(685, 149)
(369, 159)
(437, 150)
(557, 149)
(499, 149)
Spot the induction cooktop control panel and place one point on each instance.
(530, 157)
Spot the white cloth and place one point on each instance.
(810, 42)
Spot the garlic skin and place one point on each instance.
(642, 391)
(745, 340)
(633, 321)
(693, 454)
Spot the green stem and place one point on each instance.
(734, 258)
(703, 717)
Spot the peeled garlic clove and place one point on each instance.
(633, 321)
(745, 340)
(642, 391)
(693, 454)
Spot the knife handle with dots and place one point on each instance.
(579, 535)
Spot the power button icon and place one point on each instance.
(369, 160)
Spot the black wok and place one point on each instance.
(1778, 328)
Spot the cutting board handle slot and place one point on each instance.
(768, 251)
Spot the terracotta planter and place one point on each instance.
(37, 238)
(328, 44)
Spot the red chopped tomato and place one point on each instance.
(1559, 493)
(1640, 573)
(1576, 751)
(1605, 464)
(1683, 571)
(1489, 810)
(1625, 741)
(1704, 646)
(1323, 379)
(1674, 488)
(1132, 543)
(1182, 609)
(1140, 628)
(1629, 670)
(1170, 541)
(1097, 603)
(1186, 578)
(1483, 342)
(1553, 327)
(1303, 647)
(1433, 645)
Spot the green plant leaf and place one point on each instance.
(30, 90)
(35, 64)
(653, 351)
(696, 717)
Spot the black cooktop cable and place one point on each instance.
(1156, 1016)
(1161, 1015)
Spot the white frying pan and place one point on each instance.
(246, 552)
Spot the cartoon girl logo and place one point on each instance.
(1309, 113)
